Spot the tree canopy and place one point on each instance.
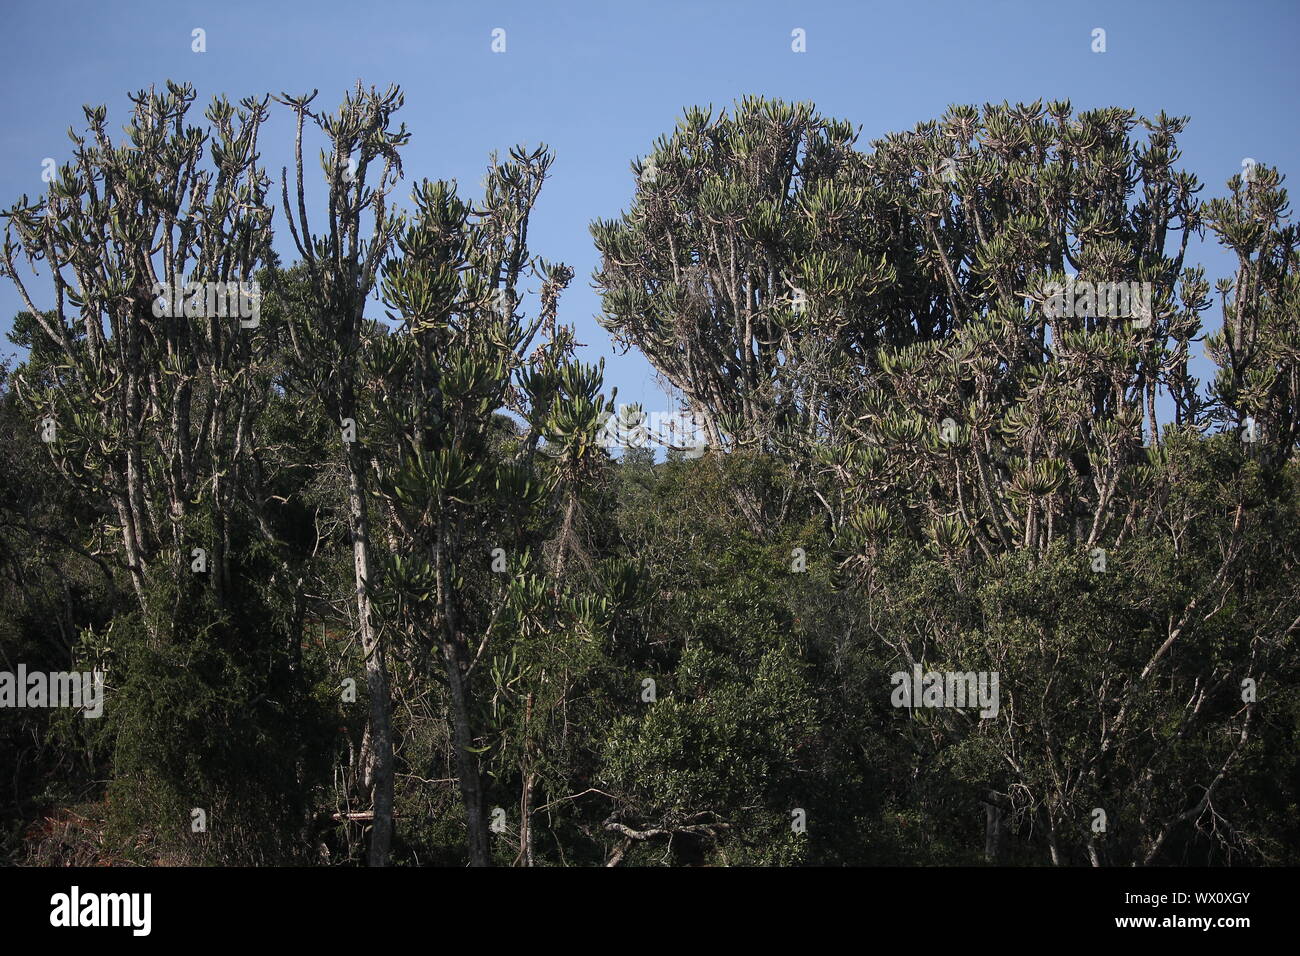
(974, 569)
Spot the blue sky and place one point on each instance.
(599, 81)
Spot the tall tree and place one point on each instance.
(456, 499)
(342, 263)
(151, 405)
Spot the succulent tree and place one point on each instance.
(158, 380)
(708, 273)
(463, 492)
(929, 333)
(361, 166)
(1257, 387)
(1028, 438)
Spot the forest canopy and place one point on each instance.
(970, 566)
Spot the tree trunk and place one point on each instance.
(526, 797)
(467, 769)
(993, 834)
(996, 806)
(381, 737)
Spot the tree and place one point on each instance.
(458, 497)
(342, 264)
(705, 274)
(151, 376)
(151, 405)
(968, 412)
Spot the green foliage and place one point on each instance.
(914, 463)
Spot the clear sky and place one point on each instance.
(598, 81)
